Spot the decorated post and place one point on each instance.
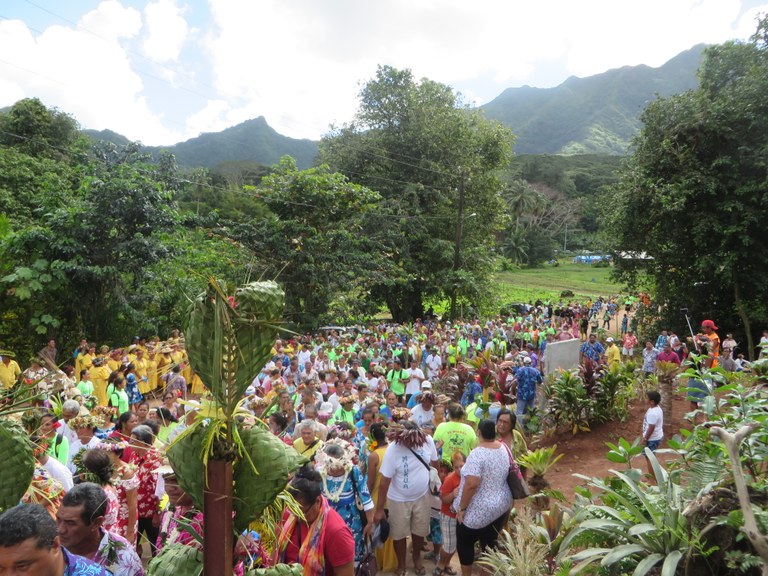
(227, 461)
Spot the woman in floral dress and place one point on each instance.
(120, 483)
(132, 386)
(346, 488)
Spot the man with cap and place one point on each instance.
(426, 386)
(612, 353)
(9, 369)
(708, 341)
(525, 388)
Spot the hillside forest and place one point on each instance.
(418, 200)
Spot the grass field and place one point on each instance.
(548, 282)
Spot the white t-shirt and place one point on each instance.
(433, 365)
(654, 416)
(421, 416)
(58, 471)
(414, 384)
(410, 478)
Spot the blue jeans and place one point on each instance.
(522, 405)
(653, 444)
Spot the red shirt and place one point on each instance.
(338, 543)
(671, 357)
(452, 482)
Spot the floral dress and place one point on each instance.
(342, 499)
(123, 486)
(132, 389)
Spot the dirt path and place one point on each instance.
(584, 453)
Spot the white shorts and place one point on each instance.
(627, 351)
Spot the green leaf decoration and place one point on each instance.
(18, 463)
(185, 457)
(274, 461)
(177, 560)
(230, 335)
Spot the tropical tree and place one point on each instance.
(314, 241)
(435, 163)
(693, 199)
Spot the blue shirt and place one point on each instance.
(592, 351)
(527, 379)
(79, 566)
(471, 389)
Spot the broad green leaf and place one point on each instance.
(671, 562)
(620, 552)
(646, 564)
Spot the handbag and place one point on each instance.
(367, 566)
(434, 478)
(517, 485)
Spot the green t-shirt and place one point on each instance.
(119, 398)
(393, 377)
(456, 437)
(85, 387)
(463, 346)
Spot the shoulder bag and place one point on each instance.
(434, 477)
(517, 485)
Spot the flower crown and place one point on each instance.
(85, 421)
(324, 461)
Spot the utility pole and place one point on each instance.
(457, 245)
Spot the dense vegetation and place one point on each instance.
(418, 201)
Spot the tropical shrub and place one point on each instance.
(629, 526)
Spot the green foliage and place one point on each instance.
(418, 144)
(539, 461)
(698, 178)
(637, 526)
(569, 403)
(624, 452)
(519, 551)
(38, 131)
(316, 241)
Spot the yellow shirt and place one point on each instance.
(613, 355)
(99, 376)
(9, 374)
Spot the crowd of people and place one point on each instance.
(410, 433)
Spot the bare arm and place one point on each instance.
(373, 469)
(383, 490)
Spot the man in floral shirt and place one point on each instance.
(29, 543)
(527, 378)
(79, 520)
(147, 460)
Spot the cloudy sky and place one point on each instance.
(162, 71)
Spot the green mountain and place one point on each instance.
(252, 140)
(594, 115)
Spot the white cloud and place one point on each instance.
(300, 63)
(167, 30)
(84, 71)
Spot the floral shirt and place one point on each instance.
(79, 566)
(172, 533)
(117, 554)
(145, 467)
(123, 486)
(527, 378)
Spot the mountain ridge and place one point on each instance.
(598, 114)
